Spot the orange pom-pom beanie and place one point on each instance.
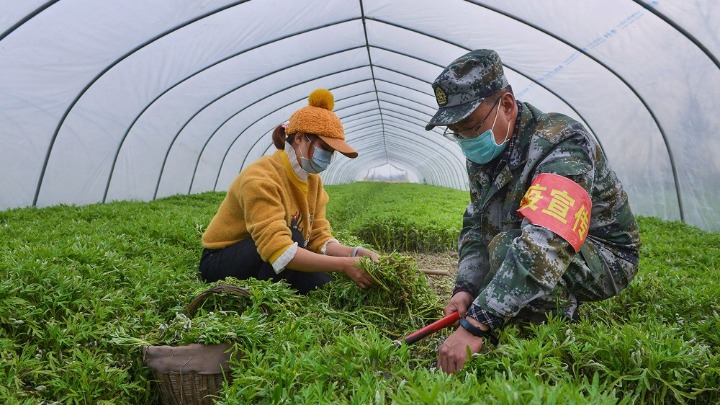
(318, 118)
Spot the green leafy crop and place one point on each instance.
(82, 289)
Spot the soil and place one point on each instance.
(446, 261)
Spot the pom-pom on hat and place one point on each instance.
(318, 118)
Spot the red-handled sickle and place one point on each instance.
(432, 328)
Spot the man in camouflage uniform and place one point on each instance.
(548, 225)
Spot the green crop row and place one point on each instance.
(399, 216)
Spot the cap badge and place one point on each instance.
(440, 96)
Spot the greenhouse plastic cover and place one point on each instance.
(137, 100)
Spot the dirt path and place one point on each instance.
(442, 284)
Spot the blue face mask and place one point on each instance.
(482, 149)
(320, 160)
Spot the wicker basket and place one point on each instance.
(192, 374)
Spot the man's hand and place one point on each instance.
(459, 302)
(453, 353)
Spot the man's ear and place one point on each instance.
(507, 101)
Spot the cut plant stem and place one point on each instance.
(435, 272)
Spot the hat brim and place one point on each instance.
(450, 115)
(340, 146)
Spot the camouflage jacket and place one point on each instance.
(536, 261)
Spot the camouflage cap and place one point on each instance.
(464, 84)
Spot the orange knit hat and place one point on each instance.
(318, 118)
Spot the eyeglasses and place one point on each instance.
(472, 132)
(315, 139)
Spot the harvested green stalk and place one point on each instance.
(401, 301)
(250, 329)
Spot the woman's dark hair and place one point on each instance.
(279, 137)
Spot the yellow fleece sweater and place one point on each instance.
(263, 202)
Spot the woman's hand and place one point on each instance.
(350, 259)
(361, 277)
(368, 253)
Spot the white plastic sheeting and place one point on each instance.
(389, 173)
(129, 99)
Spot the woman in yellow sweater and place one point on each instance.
(271, 224)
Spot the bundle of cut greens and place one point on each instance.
(401, 300)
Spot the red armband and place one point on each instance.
(560, 205)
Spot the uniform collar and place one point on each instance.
(514, 155)
(517, 150)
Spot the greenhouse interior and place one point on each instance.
(124, 123)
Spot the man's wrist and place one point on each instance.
(476, 312)
(463, 287)
(474, 322)
(478, 331)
